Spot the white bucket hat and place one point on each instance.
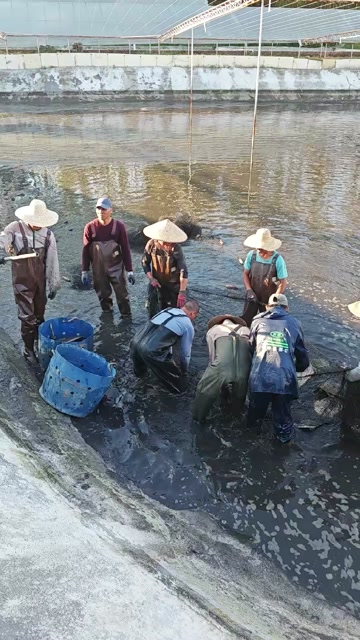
(355, 308)
(166, 231)
(263, 239)
(37, 214)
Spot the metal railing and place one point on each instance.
(30, 43)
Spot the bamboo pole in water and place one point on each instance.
(256, 98)
(191, 103)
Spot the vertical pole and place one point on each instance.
(191, 64)
(191, 103)
(158, 47)
(325, 50)
(37, 45)
(68, 41)
(352, 50)
(6, 46)
(256, 98)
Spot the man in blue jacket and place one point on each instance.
(277, 344)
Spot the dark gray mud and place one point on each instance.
(300, 508)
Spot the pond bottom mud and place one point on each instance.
(297, 506)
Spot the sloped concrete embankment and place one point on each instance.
(92, 75)
(184, 559)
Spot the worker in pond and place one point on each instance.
(152, 346)
(106, 248)
(229, 365)
(265, 272)
(33, 276)
(164, 264)
(279, 351)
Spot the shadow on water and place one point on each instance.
(300, 508)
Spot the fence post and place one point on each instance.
(68, 41)
(37, 45)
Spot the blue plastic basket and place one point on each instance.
(59, 331)
(76, 380)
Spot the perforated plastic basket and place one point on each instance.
(58, 331)
(76, 380)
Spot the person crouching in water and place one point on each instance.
(279, 351)
(32, 276)
(106, 248)
(164, 265)
(265, 273)
(152, 346)
(229, 367)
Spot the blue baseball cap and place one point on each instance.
(104, 203)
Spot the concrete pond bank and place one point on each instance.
(160, 76)
(84, 556)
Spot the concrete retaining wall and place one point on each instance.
(58, 74)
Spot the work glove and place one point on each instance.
(2, 256)
(181, 299)
(250, 296)
(85, 278)
(51, 295)
(154, 282)
(131, 277)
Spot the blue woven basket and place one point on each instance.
(59, 331)
(76, 380)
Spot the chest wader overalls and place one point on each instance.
(263, 280)
(165, 269)
(29, 284)
(108, 270)
(151, 348)
(231, 368)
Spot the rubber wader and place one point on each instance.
(229, 371)
(109, 271)
(263, 283)
(152, 348)
(164, 268)
(29, 284)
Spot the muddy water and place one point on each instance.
(300, 509)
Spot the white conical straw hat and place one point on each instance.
(37, 214)
(354, 307)
(263, 239)
(166, 231)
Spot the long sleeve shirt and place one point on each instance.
(12, 236)
(103, 234)
(183, 327)
(222, 331)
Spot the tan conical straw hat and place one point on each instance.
(37, 214)
(263, 239)
(166, 231)
(354, 307)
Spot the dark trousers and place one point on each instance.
(281, 413)
(251, 309)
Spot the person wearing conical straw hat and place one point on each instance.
(265, 272)
(31, 277)
(164, 265)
